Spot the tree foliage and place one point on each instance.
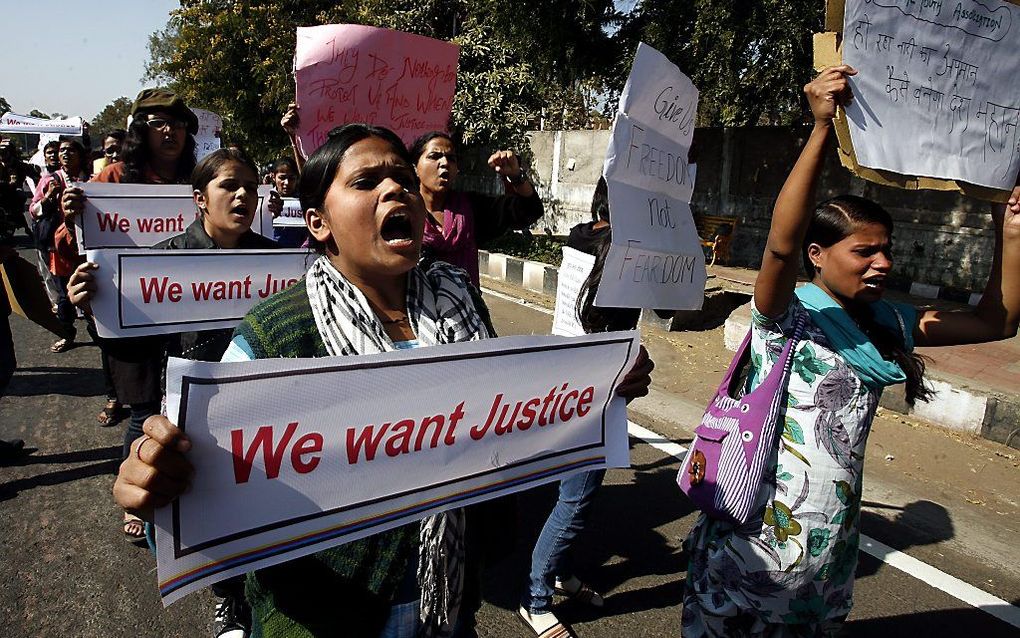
(5, 106)
(558, 62)
(113, 116)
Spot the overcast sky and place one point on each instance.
(76, 57)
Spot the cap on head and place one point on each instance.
(168, 102)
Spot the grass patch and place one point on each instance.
(543, 248)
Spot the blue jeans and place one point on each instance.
(552, 556)
(139, 412)
(403, 621)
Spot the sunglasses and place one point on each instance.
(159, 124)
(113, 150)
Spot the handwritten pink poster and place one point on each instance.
(353, 73)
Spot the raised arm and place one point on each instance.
(997, 315)
(780, 264)
(290, 122)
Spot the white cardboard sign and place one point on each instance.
(151, 292)
(294, 456)
(210, 129)
(142, 215)
(291, 216)
(655, 259)
(936, 94)
(574, 270)
(14, 123)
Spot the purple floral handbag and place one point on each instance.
(723, 470)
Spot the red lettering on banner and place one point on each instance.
(364, 439)
(171, 291)
(307, 444)
(110, 222)
(558, 402)
(273, 457)
(161, 224)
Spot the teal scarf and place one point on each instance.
(852, 344)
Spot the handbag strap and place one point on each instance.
(782, 367)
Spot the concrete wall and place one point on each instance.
(942, 239)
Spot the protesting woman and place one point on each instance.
(790, 570)
(63, 254)
(285, 176)
(225, 191)
(159, 149)
(459, 222)
(365, 294)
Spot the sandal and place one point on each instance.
(577, 591)
(556, 630)
(134, 528)
(62, 346)
(110, 415)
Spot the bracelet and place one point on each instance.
(519, 179)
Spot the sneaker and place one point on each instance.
(232, 618)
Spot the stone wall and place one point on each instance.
(941, 239)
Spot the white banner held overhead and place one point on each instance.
(142, 215)
(574, 270)
(151, 292)
(14, 123)
(287, 465)
(291, 216)
(936, 94)
(655, 259)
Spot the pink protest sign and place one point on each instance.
(353, 73)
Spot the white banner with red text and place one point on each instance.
(152, 292)
(142, 215)
(295, 456)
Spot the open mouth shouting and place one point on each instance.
(397, 229)
(875, 283)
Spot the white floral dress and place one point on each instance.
(790, 571)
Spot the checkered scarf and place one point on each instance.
(440, 309)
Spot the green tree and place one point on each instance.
(113, 116)
(235, 58)
(5, 106)
(38, 113)
(748, 58)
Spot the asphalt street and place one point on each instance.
(68, 571)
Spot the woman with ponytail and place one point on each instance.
(789, 571)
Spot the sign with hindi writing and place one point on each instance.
(294, 456)
(353, 73)
(936, 93)
(291, 216)
(574, 270)
(14, 123)
(655, 259)
(142, 215)
(210, 128)
(152, 292)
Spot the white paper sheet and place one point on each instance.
(937, 93)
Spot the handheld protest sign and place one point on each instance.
(655, 259)
(142, 215)
(152, 292)
(294, 456)
(354, 73)
(936, 104)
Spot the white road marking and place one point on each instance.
(963, 591)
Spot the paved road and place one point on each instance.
(67, 570)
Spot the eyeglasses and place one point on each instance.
(159, 124)
(113, 150)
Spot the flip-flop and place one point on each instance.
(110, 414)
(131, 521)
(62, 346)
(584, 595)
(559, 630)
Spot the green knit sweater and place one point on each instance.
(344, 591)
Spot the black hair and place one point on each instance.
(284, 161)
(595, 318)
(83, 155)
(832, 221)
(600, 201)
(418, 146)
(118, 134)
(206, 170)
(136, 152)
(51, 143)
(321, 168)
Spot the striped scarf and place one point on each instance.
(441, 310)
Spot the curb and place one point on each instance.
(956, 406)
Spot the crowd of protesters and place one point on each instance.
(424, 579)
